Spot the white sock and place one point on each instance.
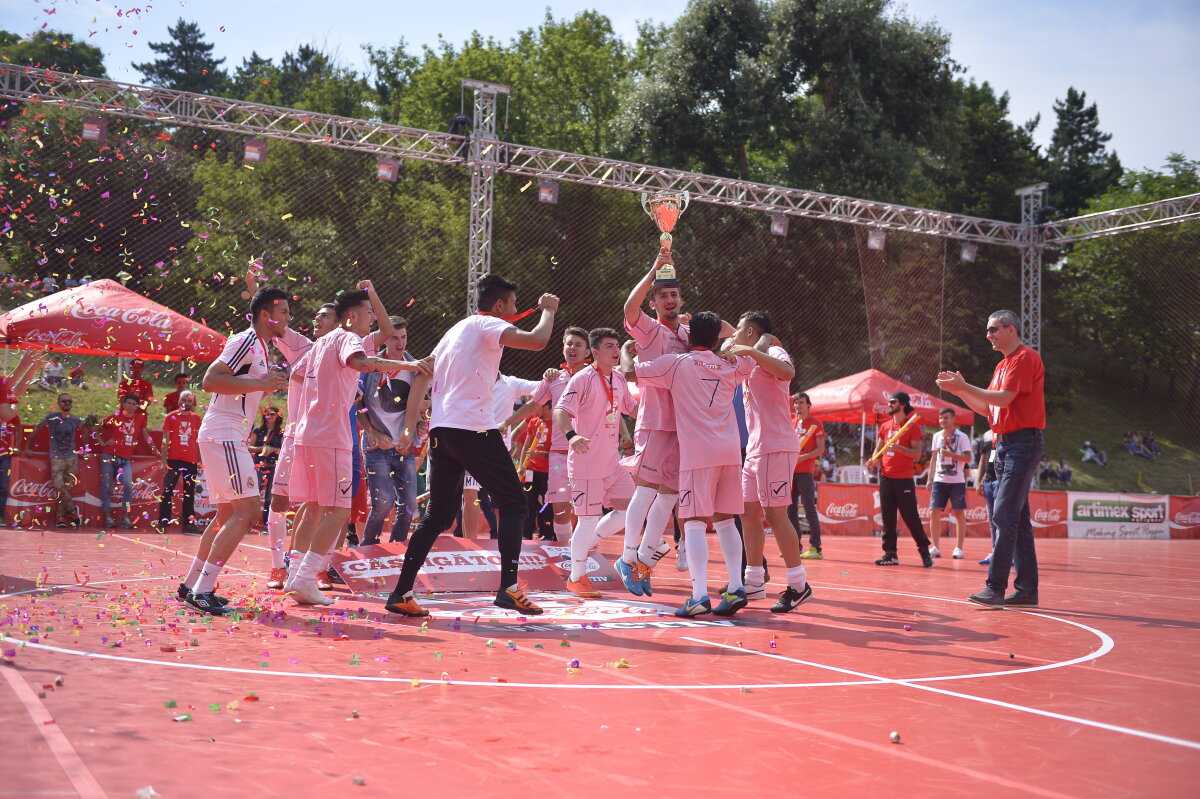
(755, 574)
(193, 573)
(697, 550)
(276, 533)
(306, 569)
(609, 523)
(562, 530)
(327, 558)
(796, 577)
(207, 579)
(656, 523)
(731, 548)
(635, 519)
(294, 559)
(581, 544)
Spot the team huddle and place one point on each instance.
(687, 457)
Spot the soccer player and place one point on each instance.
(771, 452)
(897, 490)
(120, 433)
(701, 385)
(948, 481)
(180, 456)
(238, 378)
(463, 432)
(589, 415)
(322, 461)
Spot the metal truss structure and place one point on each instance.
(486, 155)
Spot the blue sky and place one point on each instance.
(1136, 60)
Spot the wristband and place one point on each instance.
(571, 434)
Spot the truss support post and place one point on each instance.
(1032, 248)
(483, 159)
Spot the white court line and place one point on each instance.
(998, 703)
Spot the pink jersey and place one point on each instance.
(702, 386)
(294, 346)
(654, 339)
(548, 393)
(769, 410)
(595, 404)
(329, 389)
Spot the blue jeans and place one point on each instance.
(392, 481)
(1016, 466)
(5, 467)
(989, 496)
(110, 466)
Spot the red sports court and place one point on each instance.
(111, 687)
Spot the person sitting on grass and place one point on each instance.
(1063, 475)
(1093, 455)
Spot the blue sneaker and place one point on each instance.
(731, 603)
(986, 561)
(695, 607)
(634, 586)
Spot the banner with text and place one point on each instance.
(1184, 517)
(1097, 515)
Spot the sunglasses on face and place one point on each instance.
(995, 328)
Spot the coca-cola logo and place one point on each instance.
(57, 338)
(847, 511)
(977, 514)
(28, 488)
(146, 317)
(1047, 516)
(1192, 517)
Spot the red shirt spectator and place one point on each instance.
(809, 465)
(1023, 373)
(7, 397)
(171, 401)
(179, 430)
(135, 383)
(10, 436)
(120, 433)
(538, 457)
(897, 465)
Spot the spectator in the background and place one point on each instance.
(171, 401)
(10, 444)
(811, 432)
(265, 443)
(53, 376)
(12, 387)
(1063, 473)
(135, 384)
(535, 466)
(180, 456)
(77, 377)
(64, 462)
(1093, 455)
(120, 433)
(1151, 444)
(1046, 472)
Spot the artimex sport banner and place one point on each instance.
(1096, 515)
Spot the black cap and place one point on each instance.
(900, 397)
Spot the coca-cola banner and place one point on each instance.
(33, 499)
(1184, 517)
(1048, 512)
(1096, 515)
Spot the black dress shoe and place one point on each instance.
(988, 597)
(1021, 599)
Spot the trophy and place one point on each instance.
(665, 208)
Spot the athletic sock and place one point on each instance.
(194, 572)
(581, 545)
(697, 551)
(306, 570)
(562, 530)
(731, 548)
(755, 574)
(635, 519)
(294, 559)
(656, 523)
(207, 579)
(276, 533)
(609, 523)
(796, 577)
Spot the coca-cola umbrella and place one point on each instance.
(861, 398)
(106, 318)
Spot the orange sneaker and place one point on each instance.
(583, 587)
(277, 578)
(641, 574)
(516, 600)
(407, 606)
(323, 581)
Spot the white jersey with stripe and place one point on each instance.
(229, 416)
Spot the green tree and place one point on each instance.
(186, 64)
(1081, 167)
(52, 50)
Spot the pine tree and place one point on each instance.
(1080, 165)
(187, 63)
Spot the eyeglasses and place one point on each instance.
(893, 402)
(996, 328)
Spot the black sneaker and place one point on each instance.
(190, 529)
(790, 599)
(926, 559)
(889, 559)
(208, 603)
(1021, 599)
(182, 592)
(988, 597)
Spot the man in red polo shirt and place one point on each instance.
(897, 489)
(119, 436)
(180, 456)
(1015, 406)
(804, 489)
(171, 401)
(134, 383)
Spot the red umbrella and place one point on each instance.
(106, 318)
(862, 398)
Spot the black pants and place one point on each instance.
(900, 494)
(450, 451)
(539, 518)
(175, 470)
(804, 491)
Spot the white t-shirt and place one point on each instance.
(465, 363)
(229, 415)
(950, 470)
(398, 387)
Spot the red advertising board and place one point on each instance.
(1184, 513)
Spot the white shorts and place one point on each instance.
(767, 479)
(714, 489)
(558, 483)
(228, 471)
(323, 476)
(655, 458)
(283, 467)
(469, 482)
(590, 497)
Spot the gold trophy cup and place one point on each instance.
(665, 208)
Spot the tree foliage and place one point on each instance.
(186, 62)
(1080, 165)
